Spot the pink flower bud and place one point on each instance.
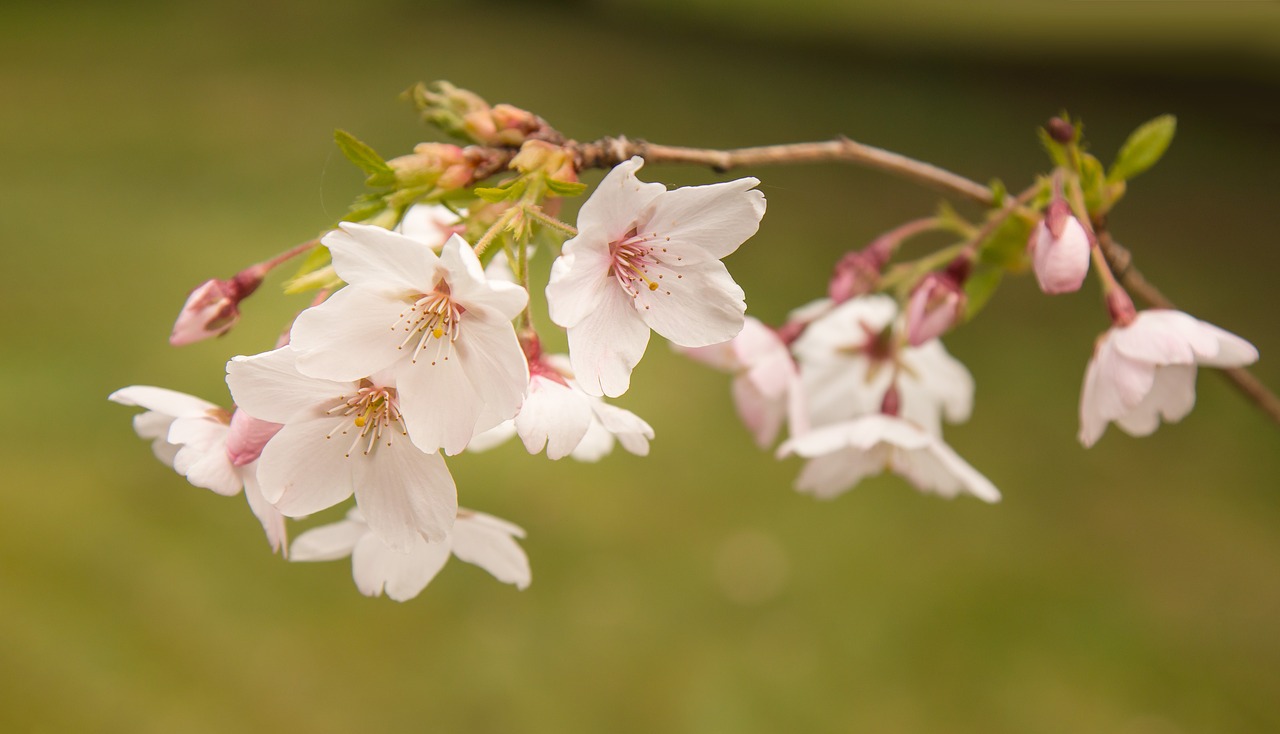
(855, 275)
(1059, 249)
(936, 305)
(247, 437)
(213, 307)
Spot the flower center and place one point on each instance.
(374, 415)
(432, 321)
(636, 262)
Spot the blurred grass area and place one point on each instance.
(1129, 588)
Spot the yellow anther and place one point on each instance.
(437, 332)
(653, 286)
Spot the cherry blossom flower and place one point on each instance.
(1146, 370)
(936, 305)
(559, 416)
(1059, 249)
(766, 383)
(851, 356)
(842, 454)
(193, 437)
(438, 323)
(647, 258)
(477, 538)
(339, 438)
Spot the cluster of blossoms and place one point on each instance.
(421, 346)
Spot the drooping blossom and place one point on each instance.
(436, 322)
(341, 437)
(559, 416)
(647, 258)
(842, 454)
(1059, 248)
(766, 383)
(1145, 370)
(195, 438)
(477, 538)
(851, 356)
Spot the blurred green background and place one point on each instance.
(1134, 587)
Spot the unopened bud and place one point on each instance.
(247, 436)
(1059, 248)
(936, 305)
(1060, 130)
(856, 274)
(214, 307)
(428, 164)
(553, 161)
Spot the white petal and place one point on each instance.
(404, 575)
(493, 437)
(631, 431)
(714, 219)
(845, 327)
(355, 333)
(613, 208)
(494, 363)
(377, 258)
(554, 416)
(269, 387)
(606, 345)
(470, 288)
(202, 432)
(488, 542)
(430, 224)
(940, 469)
(439, 405)
(161, 400)
(830, 475)
(596, 444)
(151, 424)
(1162, 337)
(579, 280)
(328, 542)
(211, 470)
(403, 492)
(703, 307)
(302, 470)
(1172, 396)
(761, 414)
(272, 521)
(945, 381)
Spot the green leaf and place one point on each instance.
(998, 192)
(361, 154)
(1093, 183)
(1057, 153)
(566, 188)
(1144, 148)
(979, 288)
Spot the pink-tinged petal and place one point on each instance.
(553, 416)
(328, 542)
(380, 259)
(1094, 405)
(488, 542)
(606, 345)
(720, 356)
(210, 469)
(1228, 350)
(631, 431)
(269, 387)
(247, 437)
(403, 493)
(353, 334)
(706, 222)
(439, 405)
(403, 575)
(579, 281)
(845, 327)
(614, 207)
(703, 307)
(1161, 337)
(1172, 396)
(761, 414)
(757, 343)
(430, 224)
(470, 288)
(272, 521)
(492, 360)
(303, 470)
(161, 400)
(831, 475)
(938, 468)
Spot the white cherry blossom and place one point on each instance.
(431, 224)
(766, 383)
(341, 437)
(194, 437)
(437, 322)
(842, 454)
(850, 356)
(647, 258)
(1146, 370)
(477, 538)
